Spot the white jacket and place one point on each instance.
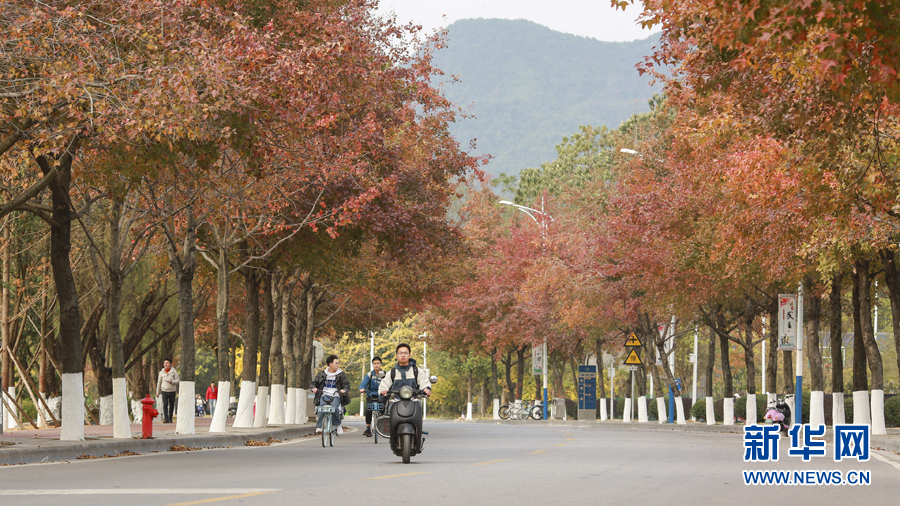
(167, 381)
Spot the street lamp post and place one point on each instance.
(543, 227)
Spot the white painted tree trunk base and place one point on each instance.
(244, 416)
(106, 410)
(728, 411)
(221, 415)
(72, 407)
(121, 421)
(603, 412)
(10, 413)
(661, 410)
(186, 409)
(300, 415)
(642, 409)
(626, 414)
(751, 418)
(276, 415)
(290, 413)
(137, 409)
(262, 406)
(878, 428)
(838, 416)
(495, 409)
(468, 411)
(816, 408)
(679, 411)
(710, 411)
(861, 408)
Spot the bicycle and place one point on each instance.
(377, 408)
(521, 411)
(329, 431)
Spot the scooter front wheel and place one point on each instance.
(406, 447)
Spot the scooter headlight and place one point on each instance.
(406, 392)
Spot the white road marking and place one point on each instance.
(886, 460)
(138, 491)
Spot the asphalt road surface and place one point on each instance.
(463, 464)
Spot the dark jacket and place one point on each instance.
(370, 384)
(342, 382)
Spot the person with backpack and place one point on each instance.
(331, 386)
(369, 386)
(405, 373)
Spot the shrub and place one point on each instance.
(892, 411)
(740, 408)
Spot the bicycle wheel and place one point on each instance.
(537, 412)
(504, 412)
(332, 435)
(326, 428)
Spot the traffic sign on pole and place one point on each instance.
(633, 341)
(633, 358)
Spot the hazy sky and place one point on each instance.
(590, 18)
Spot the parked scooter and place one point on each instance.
(779, 413)
(405, 415)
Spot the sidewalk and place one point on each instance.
(889, 442)
(43, 445)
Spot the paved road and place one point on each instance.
(463, 464)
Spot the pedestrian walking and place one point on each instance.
(167, 384)
(212, 393)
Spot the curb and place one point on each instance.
(65, 451)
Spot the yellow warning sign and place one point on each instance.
(633, 358)
(633, 341)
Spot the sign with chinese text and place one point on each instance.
(787, 322)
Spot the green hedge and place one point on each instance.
(892, 411)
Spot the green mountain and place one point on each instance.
(528, 86)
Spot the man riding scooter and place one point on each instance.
(406, 381)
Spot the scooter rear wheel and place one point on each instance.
(406, 443)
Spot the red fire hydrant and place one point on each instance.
(149, 415)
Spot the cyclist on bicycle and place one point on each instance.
(369, 386)
(331, 386)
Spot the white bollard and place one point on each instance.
(626, 415)
(244, 415)
(837, 409)
(276, 414)
(679, 411)
(73, 407)
(603, 416)
(219, 419)
(661, 410)
(816, 408)
(710, 411)
(496, 408)
(861, 408)
(878, 428)
(187, 407)
(751, 418)
(728, 411)
(262, 407)
(642, 409)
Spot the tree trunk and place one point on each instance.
(520, 371)
(222, 306)
(510, 384)
(710, 362)
(749, 355)
(873, 355)
(728, 386)
(250, 337)
(772, 350)
(860, 375)
(788, 373)
(837, 352)
(892, 278)
(495, 380)
(601, 388)
(265, 341)
(276, 357)
(5, 362)
(813, 317)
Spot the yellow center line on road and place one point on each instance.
(570, 439)
(561, 444)
(488, 462)
(396, 475)
(567, 434)
(217, 499)
(539, 451)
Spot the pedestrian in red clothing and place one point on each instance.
(211, 394)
